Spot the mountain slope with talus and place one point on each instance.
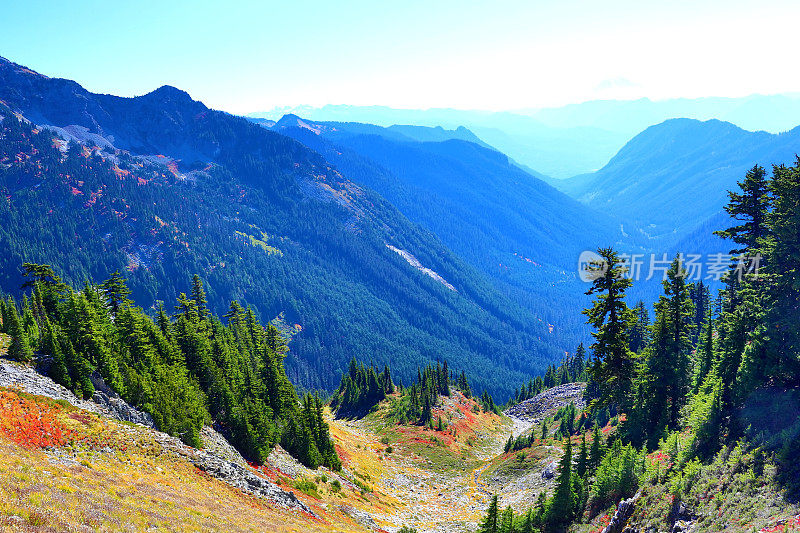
(162, 187)
(507, 223)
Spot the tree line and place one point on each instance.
(185, 368)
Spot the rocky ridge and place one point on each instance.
(219, 460)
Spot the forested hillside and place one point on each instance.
(516, 229)
(674, 175)
(261, 218)
(705, 407)
(184, 369)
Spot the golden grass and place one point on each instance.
(107, 479)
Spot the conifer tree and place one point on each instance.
(664, 379)
(528, 523)
(507, 521)
(19, 348)
(596, 450)
(58, 368)
(640, 330)
(199, 296)
(583, 459)
(116, 292)
(749, 207)
(562, 505)
(612, 365)
(704, 355)
(490, 522)
(782, 320)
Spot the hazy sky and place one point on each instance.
(243, 56)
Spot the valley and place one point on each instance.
(406, 318)
(392, 475)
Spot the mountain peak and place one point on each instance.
(168, 92)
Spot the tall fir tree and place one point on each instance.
(612, 365)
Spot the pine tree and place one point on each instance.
(612, 364)
(704, 355)
(640, 330)
(58, 368)
(783, 270)
(199, 296)
(750, 207)
(528, 523)
(19, 348)
(116, 292)
(663, 382)
(577, 365)
(507, 521)
(562, 508)
(490, 523)
(583, 459)
(596, 450)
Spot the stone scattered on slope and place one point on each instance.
(546, 403)
(220, 460)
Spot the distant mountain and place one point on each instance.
(161, 187)
(504, 221)
(773, 113)
(554, 151)
(575, 139)
(675, 175)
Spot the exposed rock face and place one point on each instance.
(15, 375)
(547, 402)
(220, 460)
(621, 516)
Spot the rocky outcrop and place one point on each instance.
(682, 518)
(220, 460)
(621, 516)
(548, 402)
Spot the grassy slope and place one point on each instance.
(62, 468)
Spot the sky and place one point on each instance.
(247, 56)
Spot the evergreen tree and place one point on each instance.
(563, 504)
(782, 320)
(749, 207)
(528, 522)
(507, 521)
(612, 364)
(116, 292)
(583, 458)
(199, 296)
(704, 355)
(491, 522)
(578, 364)
(20, 348)
(58, 368)
(596, 450)
(663, 381)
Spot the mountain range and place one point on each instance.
(574, 139)
(166, 188)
